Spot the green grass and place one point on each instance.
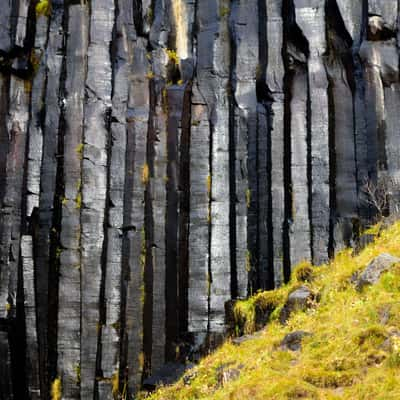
(347, 356)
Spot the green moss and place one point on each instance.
(208, 184)
(347, 356)
(43, 8)
(224, 11)
(329, 379)
(79, 150)
(58, 252)
(56, 389)
(78, 200)
(172, 56)
(115, 384)
(304, 272)
(244, 313)
(145, 174)
(165, 101)
(78, 373)
(248, 198)
(150, 16)
(248, 261)
(150, 74)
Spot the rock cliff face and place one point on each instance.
(161, 157)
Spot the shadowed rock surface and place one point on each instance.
(292, 341)
(160, 158)
(299, 300)
(371, 274)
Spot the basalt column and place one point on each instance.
(161, 158)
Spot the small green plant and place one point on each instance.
(150, 16)
(145, 174)
(79, 150)
(115, 383)
(209, 183)
(116, 325)
(248, 198)
(78, 200)
(43, 8)
(304, 272)
(58, 252)
(248, 261)
(173, 56)
(56, 389)
(224, 11)
(165, 101)
(78, 373)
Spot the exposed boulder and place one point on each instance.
(226, 373)
(292, 341)
(299, 300)
(374, 270)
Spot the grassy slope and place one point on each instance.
(343, 359)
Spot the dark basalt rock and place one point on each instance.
(245, 338)
(374, 270)
(179, 154)
(299, 300)
(226, 374)
(292, 341)
(166, 375)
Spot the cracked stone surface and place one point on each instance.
(161, 158)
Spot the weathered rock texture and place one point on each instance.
(159, 158)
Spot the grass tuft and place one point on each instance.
(353, 351)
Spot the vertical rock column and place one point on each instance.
(245, 39)
(69, 301)
(299, 236)
(310, 17)
(220, 266)
(340, 69)
(37, 111)
(209, 253)
(14, 139)
(94, 183)
(157, 189)
(33, 185)
(198, 288)
(48, 230)
(112, 275)
(379, 54)
(274, 80)
(175, 104)
(134, 240)
(179, 114)
(5, 367)
(32, 356)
